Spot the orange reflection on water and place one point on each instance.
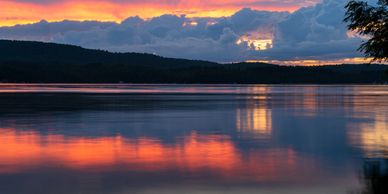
(29, 148)
(256, 118)
(216, 154)
(373, 137)
(310, 99)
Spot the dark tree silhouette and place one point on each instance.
(37, 62)
(376, 176)
(371, 21)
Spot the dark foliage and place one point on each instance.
(372, 22)
(376, 176)
(36, 62)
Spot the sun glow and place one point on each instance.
(312, 62)
(261, 39)
(255, 44)
(355, 34)
(190, 23)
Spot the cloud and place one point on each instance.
(316, 32)
(45, 31)
(167, 35)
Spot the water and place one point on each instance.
(119, 139)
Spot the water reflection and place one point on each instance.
(375, 176)
(192, 139)
(368, 131)
(23, 151)
(372, 135)
(255, 120)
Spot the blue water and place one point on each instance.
(120, 139)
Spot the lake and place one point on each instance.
(167, 139)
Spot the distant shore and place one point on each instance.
(37, 62)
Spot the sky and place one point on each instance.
(26, 11)
(292, 32)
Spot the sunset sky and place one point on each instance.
(27, 11)
(224, 31)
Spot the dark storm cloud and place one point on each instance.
(316, 32)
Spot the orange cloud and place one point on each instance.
(22, 12)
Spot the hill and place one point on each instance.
(37, 62)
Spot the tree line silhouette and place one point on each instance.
(37, 62)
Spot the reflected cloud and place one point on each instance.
(259, 137)
(23, 151)
(373, 137)
(310, 101)
(370, 134)
(256, 120)
(256, 117)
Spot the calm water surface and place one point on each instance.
(166, 139)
